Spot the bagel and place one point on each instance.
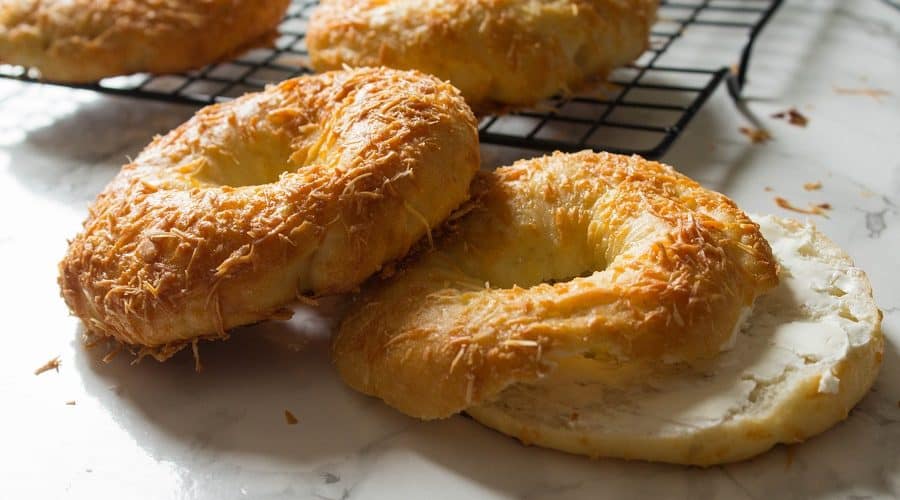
(506, 53)
(808, 352)
(307, 187)
(80, 41)
(584, 294)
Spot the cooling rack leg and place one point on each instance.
(738, 76)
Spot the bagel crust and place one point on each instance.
(83, 41)
(615, 259)
(308, 187)
(499, 53)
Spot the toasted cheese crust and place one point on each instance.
(308, 187)
(83, 41)
(614, 258)
(499, 53)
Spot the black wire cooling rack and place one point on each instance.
(695, 45)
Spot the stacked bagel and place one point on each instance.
(593, 303)
(608, 306)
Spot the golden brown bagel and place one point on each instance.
(590, 303)
(807, 353)
(497, 52)
(86, 40)
(616, 258)
(307, 187)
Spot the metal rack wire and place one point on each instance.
(642, 110)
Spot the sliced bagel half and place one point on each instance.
(806, 353)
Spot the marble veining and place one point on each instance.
(875, 223)
(150, 430)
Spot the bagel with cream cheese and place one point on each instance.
(84, 41)
(307, 187)
(498, 53)
(594, 303)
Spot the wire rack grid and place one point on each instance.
(695, 45)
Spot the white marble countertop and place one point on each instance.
(163, 431)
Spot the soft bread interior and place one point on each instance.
(808, 352)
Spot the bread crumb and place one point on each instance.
(70, 402)
(813, 186)
(290, 418)
(814, 209)
(112, 354)
(876, 94)
(195, 350)
(768, 189)
(790, 452)
(793, 117)
(756, 135)
(53, 364)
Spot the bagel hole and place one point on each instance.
(237, 177)
(254, 163)
(522, 278)
(565, 279)
(531, 263)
